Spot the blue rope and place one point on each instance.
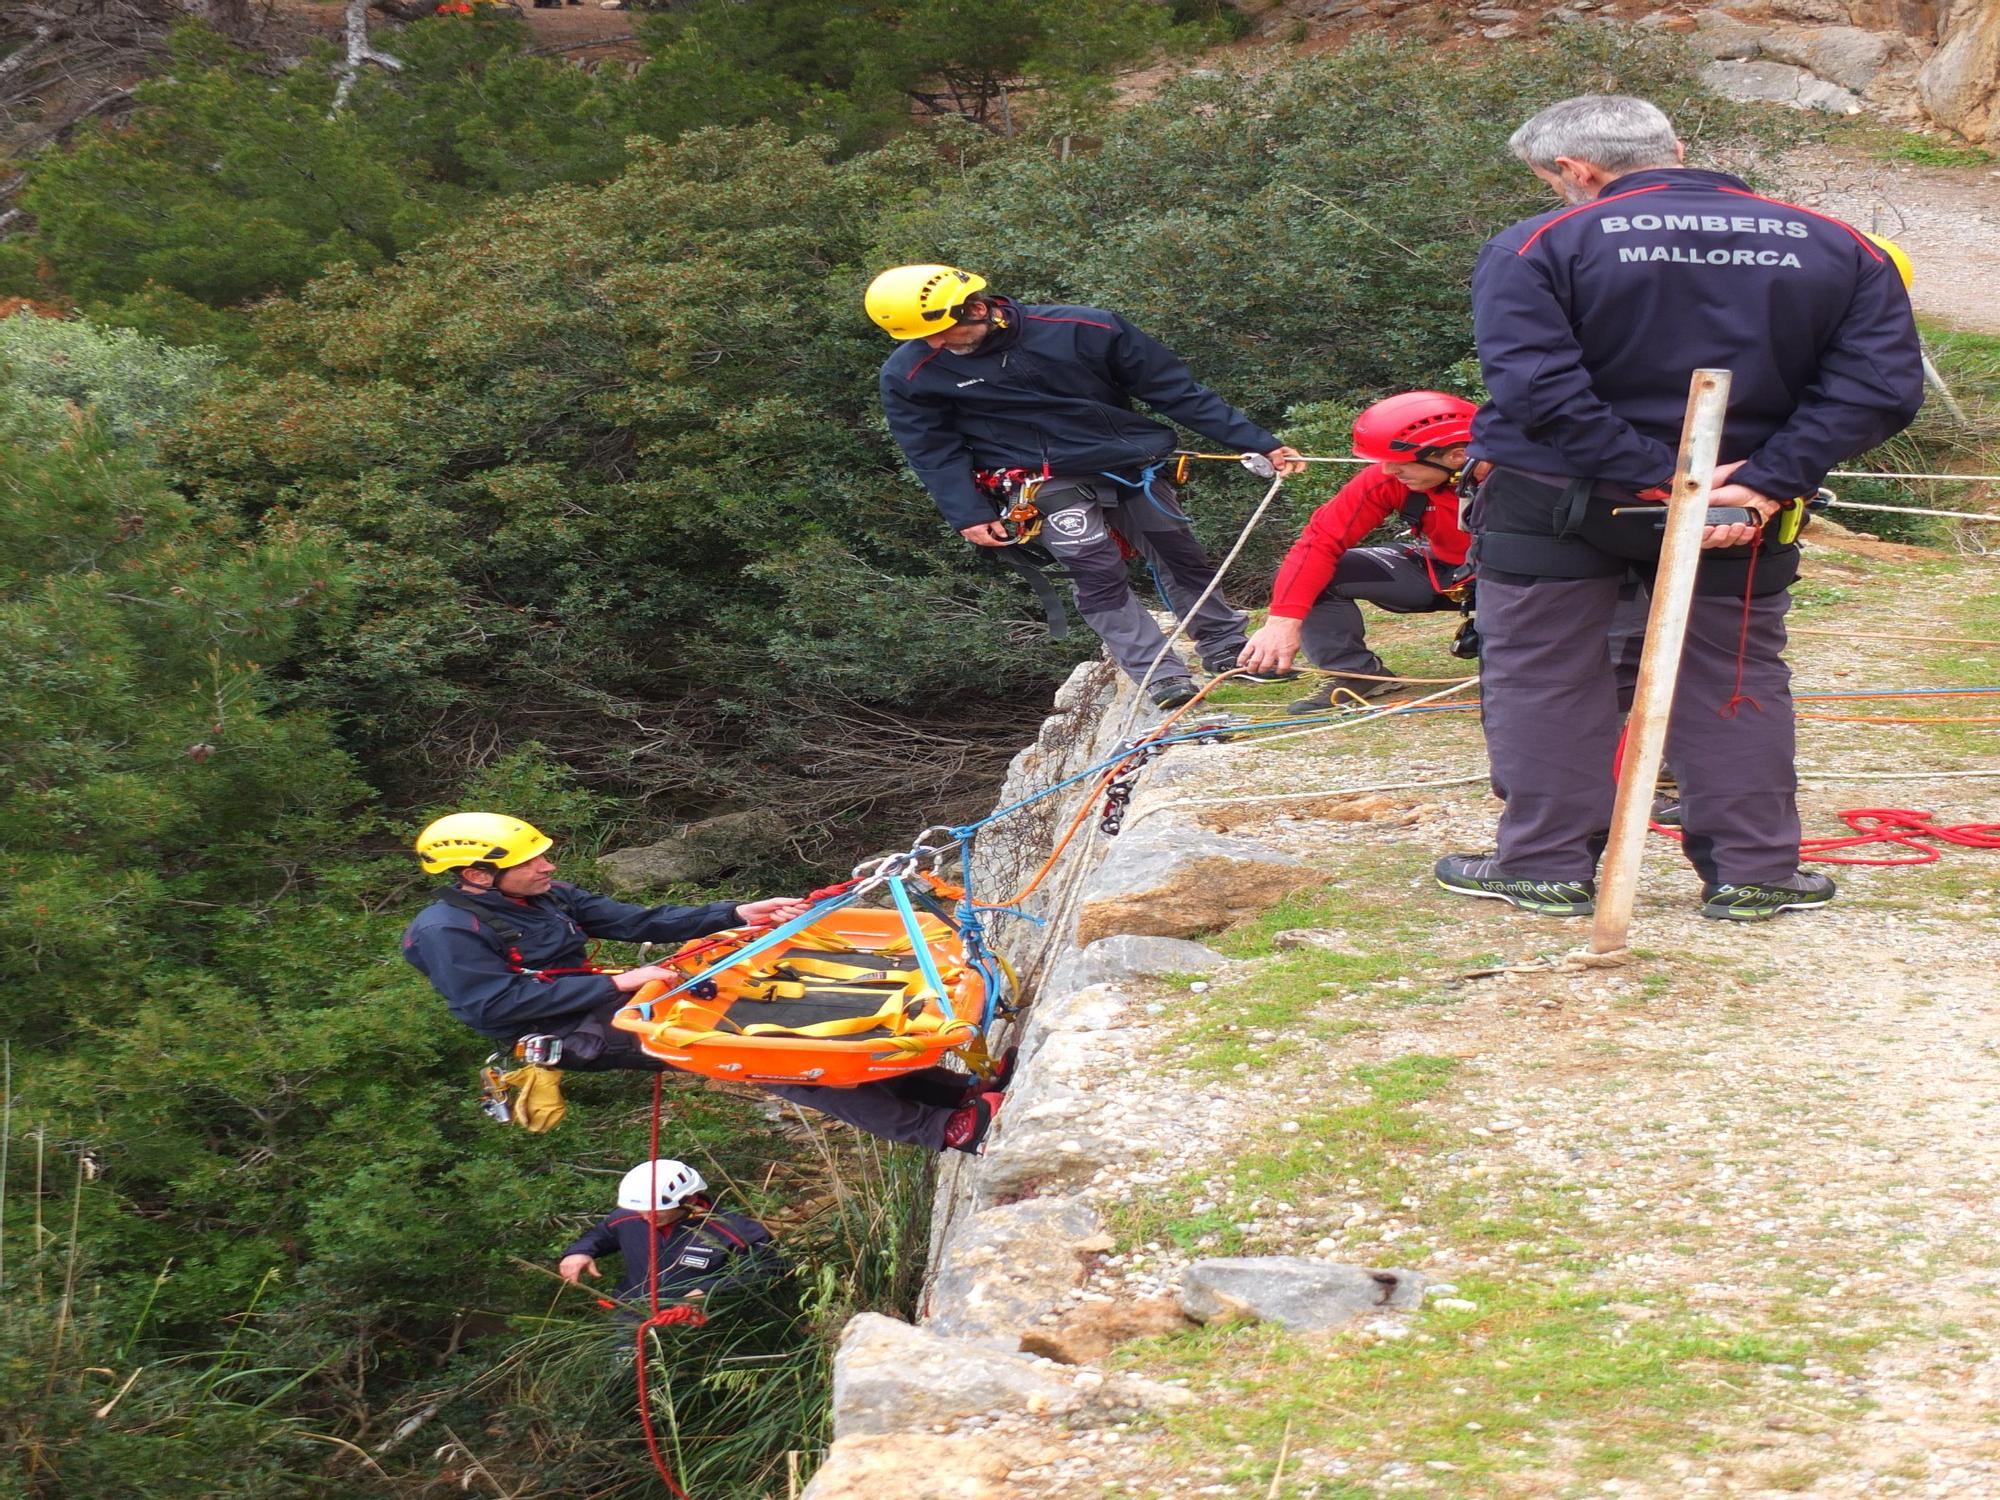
(919, 944)
(743, 955)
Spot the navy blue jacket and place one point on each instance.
(714, 1253)
(1054, 387)
(465, 962)
(1591, 319)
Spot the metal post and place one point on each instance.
(1660, 660)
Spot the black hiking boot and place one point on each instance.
(1479, 875)
(1760, 903)
(1176, 693)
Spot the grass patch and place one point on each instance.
(1369, 1149)
(1595, 1382)
(1928, 151)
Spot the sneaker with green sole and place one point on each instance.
(1761, 902)
(1479, 875)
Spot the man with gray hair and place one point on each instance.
(1589, 321)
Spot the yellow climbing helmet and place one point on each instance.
(479, 838)
(912, 301)
(1897, 258)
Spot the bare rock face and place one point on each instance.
(1169, 877)
(1308, 1295)
(1779, 83)
(917, 1466)
(1845, 55)
(1007, 1267)
(1960, 85)
(1121, 957)
(1087, 1333)
(891, 1378)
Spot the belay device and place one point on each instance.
(1013, 492)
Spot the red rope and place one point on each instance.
(656, 1318)
(1736, 694)
(1907, 827)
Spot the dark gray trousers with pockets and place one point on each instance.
(1079, 515)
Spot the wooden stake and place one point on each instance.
(1660, 661)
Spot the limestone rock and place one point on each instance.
(1960, 84)
(1779, 83)
(1727, 38)
(1170, 877)
(916, 1466)
(891, 1378)
(1002, 1268)
(1845, 55)
(1310, 1295)
(1124, 955)
(1090, 1331)
(703, 849)
(1056, 1129)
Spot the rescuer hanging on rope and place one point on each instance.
(1417, 443)
(1589, 320)
(506, 946)
(988, 394)
(667, 1223)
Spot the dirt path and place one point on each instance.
(1948, 218)
(1715, 1223)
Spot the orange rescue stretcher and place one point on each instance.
(842, 1001)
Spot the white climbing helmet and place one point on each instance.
(659, 1184)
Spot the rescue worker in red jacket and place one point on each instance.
(1417, 441)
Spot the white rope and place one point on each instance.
(1181, 617)
(1331, 791)
(1912, 510)
(1349, 722)
(1898, 474)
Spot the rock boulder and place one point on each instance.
(1309, 1295)
(1125, 955)
(1169, 877)
(700, 851)
(1090, 1331)
(1960, 84)
(916, 1466)
(891, 1378)
(1005, 1267)
(1779, 83)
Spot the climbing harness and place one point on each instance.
(1013, 492)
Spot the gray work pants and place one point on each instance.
(1549, 702)
(1079, 517)
(1395, 578)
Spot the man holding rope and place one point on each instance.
(987, 394)
(1589, 320)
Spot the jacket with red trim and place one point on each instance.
(1591, 319)
(1054, 387)
(1360, 505)
(466, 963)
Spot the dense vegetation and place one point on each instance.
(493, 442)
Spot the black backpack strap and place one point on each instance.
(505, 934)
(1036, 576)
(1413, 510)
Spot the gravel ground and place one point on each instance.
(1947, 218)
(1783, 1129)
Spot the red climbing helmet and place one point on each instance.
(1403, 428)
